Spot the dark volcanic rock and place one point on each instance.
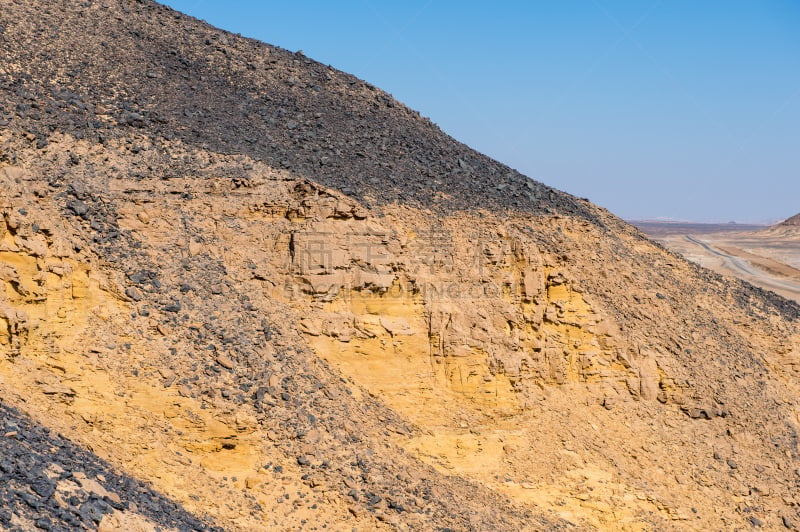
(77, 207)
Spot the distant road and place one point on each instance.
(744, 269)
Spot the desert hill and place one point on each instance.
(283, 300)
(785, 233)
(794, 221)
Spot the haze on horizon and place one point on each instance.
(676, 110)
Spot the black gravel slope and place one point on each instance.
(34, 461)
(152, 68)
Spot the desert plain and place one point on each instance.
(765, 256)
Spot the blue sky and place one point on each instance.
(683, 109)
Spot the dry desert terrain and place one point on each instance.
(768, 257)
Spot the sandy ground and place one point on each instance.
(766, 257)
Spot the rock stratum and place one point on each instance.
(242, 290)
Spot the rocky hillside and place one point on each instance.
(281, 300)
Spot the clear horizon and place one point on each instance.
(677, 110)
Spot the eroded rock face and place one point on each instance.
(471, 300)
(482, 334)
(43, 286)
(100, 344)
(468, 303)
